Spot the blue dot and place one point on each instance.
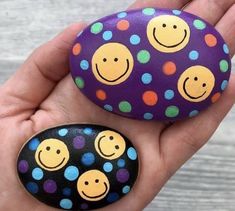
(84, 64)
(107, 35)
(169, 94)
(66, 204)
(108, 107)
(37, 174)
(32, 187)
(71, 173)
(126, 189)
(224, 85)
(33, 144)
(148, 116)
(194, 55)
(122, 15)
(88, 159)
(226, 49)
(63, 132)
(87, 131)
(121, 163)
(193, 113)
(112, 197)
(146, 78)
(108, 167)
(67, 191)
(148, 11)
(131, 153)
(176, 12)
(134, 39)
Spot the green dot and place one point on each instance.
(125, 107)
(199, 24)
(223, 66)
(80, 82)
(148, 11)
(96, 28)
(172, 111)
(143, 56)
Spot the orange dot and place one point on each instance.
(77, 49)
(150, 98)
(101, 95)
(215, 97)
(123, 25)
(169, 68)
(210, 40)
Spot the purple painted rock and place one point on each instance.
(151, 64)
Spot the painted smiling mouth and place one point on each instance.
(49, 167)
(128, 66)
(101, 149)
(94, 197)
(185, 91)
(168, 46)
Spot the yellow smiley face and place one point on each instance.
(112, 63)
(93, 185)
(52, 154)
(168, 33)
(196, 83)
(110, 145)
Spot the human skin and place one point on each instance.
(37, 97)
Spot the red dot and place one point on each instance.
(210, 40)
(101, 95)
(169, 68)
(77, 49)
(150, 98)
(215, 97)
(123, 25)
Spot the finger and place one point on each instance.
(183, 139)
(226, 27)
(33, 82)
(211, 10)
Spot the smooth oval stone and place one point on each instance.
(151, 64)
(78, 166)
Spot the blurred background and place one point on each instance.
(204, 183)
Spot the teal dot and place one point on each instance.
(63, 132)
(199, 24)
(108, 107)
(37, 174)
(169, 94)
(226, 49)
(176, 12)
(96, 28)
(126, 189)
(88, 159)
(193, 113)
(84, 64)
(224, 66)
(134, 39)
(32, 187)
(71, 173)
(33, 144)
(125, 107)
(131, 153)
(146, 78)
(122, 15)
(108, 167)
(66, 204)
(148, 11)
(143, 56)
(148, 116)
(121, 163)
(194, 55)
(224, 85)
(172, 111)
(87, 131)
(107, 35)
(80, 82)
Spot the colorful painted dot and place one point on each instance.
(123, 25)
(126, 189)
(66, 204)
(88, 159)
(193, 113)
(211, 40)
(122, 15)
(33, 144)
(87, 131)
(224, 66)
(121, 163)
(226, 49)
(79, 142)
(199, 24)
(193, 55)
(37, 174)
(84, 206)
(131, 153)
(77, 49)
(135, 39)
(23, 166)
(169, 68)
(63, 132)
(108, 167)
(172, 111)
(50, 186)
(125, 107)
(101, 94)
(84, 64)
(148, 11)
(71, 173)
(67, 191)
(148, 116)
(143, 56)
(96, 28)
(112, 197)
(176, 12)
(215, 97)
(108, 107)
(122, 175)
(107, 35)
(32, 187)
(146, 78)
(79, 82)
(150, 98)
(224, 84)
(169, 94)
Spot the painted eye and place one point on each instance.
(111, 137)
(86, 183)
(204, 85)
(116, 59)
(175, 27)
(116, 147)
(48, 148)
(58, 151)
(96, 181)
(196, 78)
(104, 59)
(163, 25)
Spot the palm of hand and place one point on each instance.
(27, 107)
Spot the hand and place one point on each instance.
(42, 94)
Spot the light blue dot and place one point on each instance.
(112, 197)
(108, 107)
(146, 78)
(176, 12)
(32, 187)
(193, 113)
(126, 189)
(63, 132)
(121, 163)
(226, 49)
(135, 39)
(169, 94)
(87, 131)
(66, 204)
(71, 173)
(122, 15)
(148, 116)
(108, 167)
(88, 159)
(148, 11)
(224, 85)
(37, 174)
(194, 55)
(107, 35)
(84, 64)
(131, 153)
(33, 144)
(199, 24)
(67, 191)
